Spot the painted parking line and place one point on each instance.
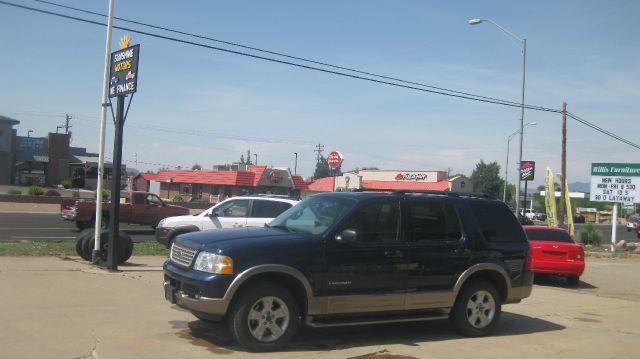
(34, 229)
(34, 237)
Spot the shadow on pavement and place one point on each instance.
(216, 337)
(549, 280)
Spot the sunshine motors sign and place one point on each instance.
(123, 79)
(615, 182)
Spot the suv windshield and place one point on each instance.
(313, 215)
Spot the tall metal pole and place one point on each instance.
(95, 256)
(506, 167)
(524, 65)
(114, 222)
(295, 167)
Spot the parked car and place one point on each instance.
(235, 212)
(556, 252)
(353, 258)
(631, 222)
(541, 216)
(638, 229)
(529, 213)
(135, 208)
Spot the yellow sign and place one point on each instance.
(124, 42)
(567, 202)
(550, 199)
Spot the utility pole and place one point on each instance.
(319, 149)
(563, 182)
(67, 118)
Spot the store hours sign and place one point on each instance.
(615, 182)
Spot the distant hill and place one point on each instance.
(579, 187)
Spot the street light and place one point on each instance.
(255, 154)
(295, 168)
(506, 166)
(29, 133)
(522, 44)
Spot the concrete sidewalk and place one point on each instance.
(66, 308)
(29, 207)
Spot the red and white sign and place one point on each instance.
(275, 177)
(335, 159)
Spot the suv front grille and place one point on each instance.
(182, 255)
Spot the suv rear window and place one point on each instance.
(548, 235)
(497, 222)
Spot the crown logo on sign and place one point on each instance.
(124, 41)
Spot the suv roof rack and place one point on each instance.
(444, 193)
(284, 196)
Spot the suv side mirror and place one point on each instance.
(347, 236)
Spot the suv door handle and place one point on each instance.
(394, 254)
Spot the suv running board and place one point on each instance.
(339, 322)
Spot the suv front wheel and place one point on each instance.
(477, 309)
(264, 318)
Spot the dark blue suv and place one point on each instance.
(355, 258)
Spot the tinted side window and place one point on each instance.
(497, 223)
(376, 222)
(238, 208)
(454, 229)
(427, 222)
(266, 209)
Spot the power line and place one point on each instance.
(275, 52)
(435, 90)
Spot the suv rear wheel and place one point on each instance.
(477, 309)
(264, 318)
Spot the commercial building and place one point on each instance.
(389, 180)
(214, 186)
(26, 160)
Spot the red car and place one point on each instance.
(555, 252)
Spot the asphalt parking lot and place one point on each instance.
(66, 308)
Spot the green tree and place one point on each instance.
(323, 169)
(196, 166)
(485, 178)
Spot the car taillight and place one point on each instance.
(577, 255)
(528, 261)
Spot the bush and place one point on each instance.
(589, 235)
(52, 193)
(75, 195)
(177, 199)
(66, 184)
(14, 191)
(35, 191)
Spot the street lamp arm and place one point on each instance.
(511, 36)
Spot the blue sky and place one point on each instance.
(582, 52)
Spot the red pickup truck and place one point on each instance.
(135, 208)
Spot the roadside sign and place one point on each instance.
(335, 159)
(123, 77)
(615, 182)
(527, 170)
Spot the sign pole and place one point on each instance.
(114, 223)
(614, 222)
(95, 255)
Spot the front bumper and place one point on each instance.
(196, 291)
(68, 215)
(162, 235)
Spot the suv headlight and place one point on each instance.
(213, 263)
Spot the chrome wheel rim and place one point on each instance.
(268, 319)
(481, 308)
